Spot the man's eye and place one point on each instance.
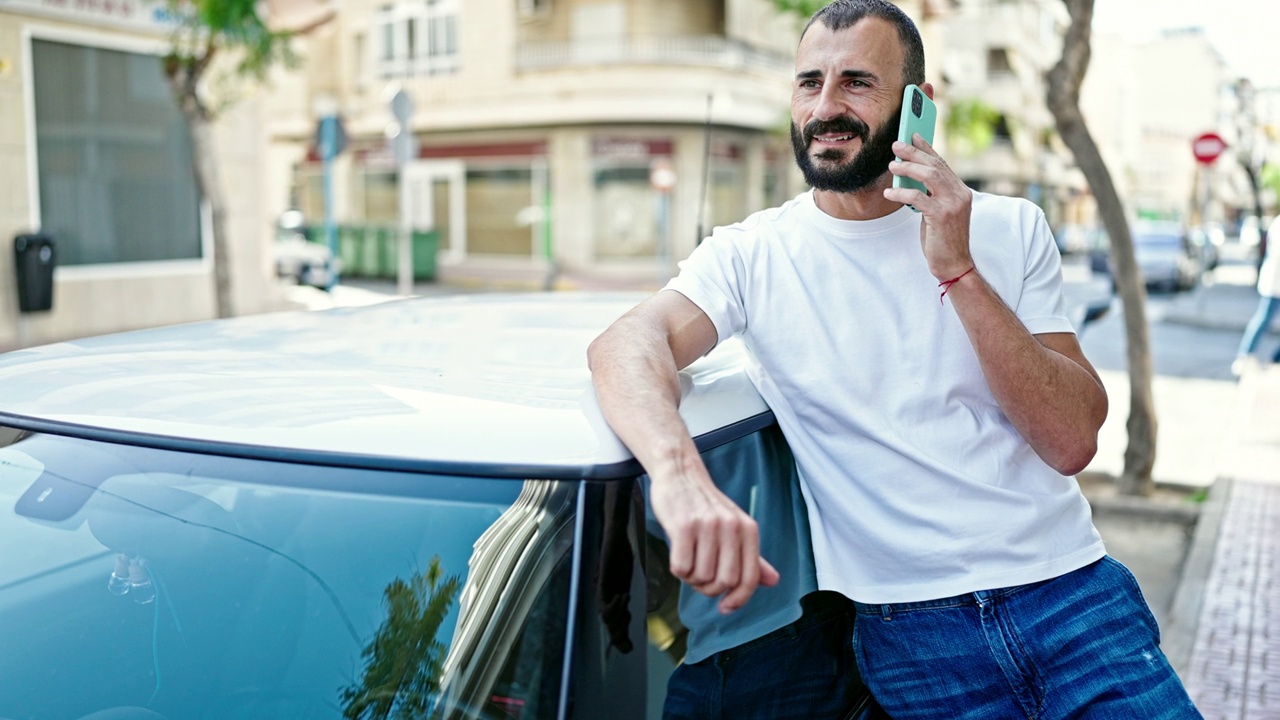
(808, 83)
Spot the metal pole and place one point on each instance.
(706, 169)
(664, 237)
(404, 278)
(328, 144)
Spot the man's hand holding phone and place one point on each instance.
(924, 181)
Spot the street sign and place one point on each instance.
(662, 175)
(400, 133)
(1208, 147)
(401, 106)
(340, 139)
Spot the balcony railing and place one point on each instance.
(700, 50)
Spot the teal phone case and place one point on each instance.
(919, 115)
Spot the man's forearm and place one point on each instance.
(1057, 403)
(715, 545)
(636, 379)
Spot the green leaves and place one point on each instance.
(1271, 177)
(971, 126)
(206, 27)
(802, 8)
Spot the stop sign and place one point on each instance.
(1208, 147)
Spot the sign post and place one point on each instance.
(1206, 148)
(331, 140)
(662, 177)
(403, 148)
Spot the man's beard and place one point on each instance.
(854, 175)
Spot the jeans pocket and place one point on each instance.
(1136, 595)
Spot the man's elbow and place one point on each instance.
(597, 351)
(1076, 450)
(1073, 460)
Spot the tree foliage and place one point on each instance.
(205, 29)
(404, 661)
(1271, 178)
(971, 126)
(804, 9)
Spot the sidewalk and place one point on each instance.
(1224, 631)
(1224, 637)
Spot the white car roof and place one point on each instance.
(483, 384)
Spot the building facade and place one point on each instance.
(552, 136)
(997, 54)
(95, 155)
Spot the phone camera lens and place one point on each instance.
(917, 103)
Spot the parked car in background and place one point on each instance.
(298, 259)
(412, 509)
(1167, 258)
(1208, 241)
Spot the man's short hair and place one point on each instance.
(841, 14)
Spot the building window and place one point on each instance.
(114, 160)
(998, 63)
(417, 37)
(499, 205)
(534, 7)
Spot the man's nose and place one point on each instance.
(829, 105)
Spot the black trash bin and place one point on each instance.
(33, 260)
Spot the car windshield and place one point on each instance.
(163, 584)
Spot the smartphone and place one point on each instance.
(919, 115)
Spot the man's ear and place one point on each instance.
(928, 90)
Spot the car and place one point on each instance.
(1207, 241)
(298, 259)
(409, 509)
(1167, 258)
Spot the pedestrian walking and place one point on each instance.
(914, 347)
(1268, 302)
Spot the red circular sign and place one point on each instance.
(1208, 147)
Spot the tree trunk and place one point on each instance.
(184, 80)
(1064, 102)
(207, 183)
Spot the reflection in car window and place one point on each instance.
(209, 587)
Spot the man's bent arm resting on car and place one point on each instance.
(715, 546)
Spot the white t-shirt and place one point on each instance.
(917, 485)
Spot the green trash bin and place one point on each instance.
(350, 237)
(426, 243)
(369, 256)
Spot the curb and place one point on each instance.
(1179, 635)
(1184, 513)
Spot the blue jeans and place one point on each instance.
(1258, 324)
(802, 671)
(1083, 645)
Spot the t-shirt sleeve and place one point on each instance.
(1041, 307)
(713, 278)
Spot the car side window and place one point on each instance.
(758, 472)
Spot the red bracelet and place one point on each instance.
(946, 284)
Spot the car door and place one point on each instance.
(633, 623)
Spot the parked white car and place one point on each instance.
(407, 509)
